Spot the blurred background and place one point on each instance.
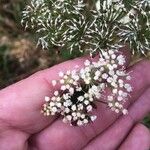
(19, 55)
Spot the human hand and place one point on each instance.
(22, 126)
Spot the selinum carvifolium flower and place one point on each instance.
(82, 89)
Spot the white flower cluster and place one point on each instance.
(81, 90)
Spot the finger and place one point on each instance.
(112, 137)
(141, 108)
(139, 138)
(24, 99)
(121, 127)
(12, 139)
(78, 137)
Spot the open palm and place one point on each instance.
(23, 127)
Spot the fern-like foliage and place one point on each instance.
(136, 32)
(75, 26)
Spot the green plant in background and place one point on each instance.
(74, 26)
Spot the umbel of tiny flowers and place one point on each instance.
(81, 90)
(74, 26)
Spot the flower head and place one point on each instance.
(81, 90)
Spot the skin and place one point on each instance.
(23, 127)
